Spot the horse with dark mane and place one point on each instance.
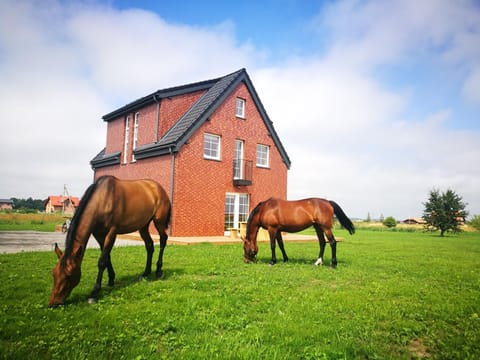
(109, 207)
(276, 215)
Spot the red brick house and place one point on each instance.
(6, 204)
(210, 144)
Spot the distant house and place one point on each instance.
(64, 204)
(414, 221)
(6, 204)
(210, 144)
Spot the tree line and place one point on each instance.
(28, 204)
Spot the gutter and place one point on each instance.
(172, 183)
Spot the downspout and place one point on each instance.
(157, 125)
(172, 182)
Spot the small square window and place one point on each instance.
(240, 108)
(211, 147)
(262, 155)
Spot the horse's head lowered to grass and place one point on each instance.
(66, 275)
(250, 250)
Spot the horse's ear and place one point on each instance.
(79, 253)
(58, 251)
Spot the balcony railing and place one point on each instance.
(242, 172)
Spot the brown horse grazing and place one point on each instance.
(277, 215)
(109, 207)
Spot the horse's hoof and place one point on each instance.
(318, 262)
(92, 300)
(334, 266)
(159, 274)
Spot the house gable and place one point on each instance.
(216, 91)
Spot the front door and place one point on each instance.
(236, 210)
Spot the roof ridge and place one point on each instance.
(180, 127)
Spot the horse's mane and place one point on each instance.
(252, 214)
(76, 219)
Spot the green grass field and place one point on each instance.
(394, 295)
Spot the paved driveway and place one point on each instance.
(18, 241)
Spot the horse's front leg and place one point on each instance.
(280, 245)
(321, 242)
(147, 239)
(273, 234)
(103, 263)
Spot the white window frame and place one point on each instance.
(262, 156)
(209, 146)
(239, 200)
(238, 156)
(135, 135)
(240, 108)
(127, 134)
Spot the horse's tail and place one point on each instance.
(76, 218)
(344, 220)
(169, 214)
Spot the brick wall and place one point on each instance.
(200, 185)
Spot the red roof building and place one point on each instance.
(64, 204)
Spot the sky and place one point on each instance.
(377, 102)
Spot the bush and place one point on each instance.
(475, 222)
(389, 222)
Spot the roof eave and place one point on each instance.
(156, 96)
(105, 160)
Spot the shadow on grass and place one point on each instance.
(301, 261)
(121, 283)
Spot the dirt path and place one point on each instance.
(18, 241)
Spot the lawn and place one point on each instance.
(394, 295)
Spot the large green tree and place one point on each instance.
(444, 211)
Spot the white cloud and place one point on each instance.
(350, 136)
(63, 66)
(471, 88)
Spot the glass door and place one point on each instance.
(236, 210)
(237, 166)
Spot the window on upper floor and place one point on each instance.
(135, 134)
(240, 108)
(125, 144)
(211, 147)
(263, 154)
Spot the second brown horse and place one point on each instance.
(109, 207)
(276, 215)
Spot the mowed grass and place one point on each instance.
(394, 295)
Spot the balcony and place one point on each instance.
(242, 172)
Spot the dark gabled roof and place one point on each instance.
(102, 159)
(156, 96)
(217, 91)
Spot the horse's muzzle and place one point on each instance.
(250, 260)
